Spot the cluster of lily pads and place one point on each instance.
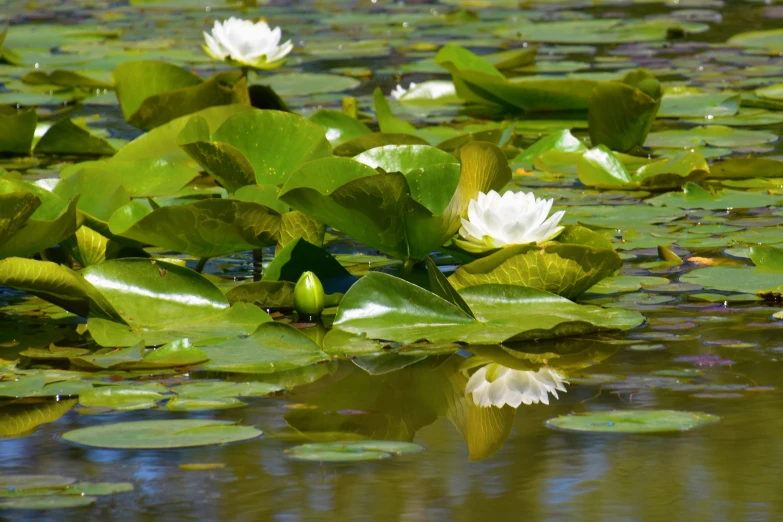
(123, 236)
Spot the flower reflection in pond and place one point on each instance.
(496, 385)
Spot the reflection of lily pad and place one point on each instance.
(162, 434)
(353, 451)
(634, 421)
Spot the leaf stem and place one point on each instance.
(258, 266)
(201, 263)
(407, 265)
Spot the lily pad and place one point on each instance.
(632, 421)
(352, 451)
(694, 196)
(563, 269)
(288, 142)
(48, 502)
(400, 214)
(229, 226)
(380, 306)
(162, 434)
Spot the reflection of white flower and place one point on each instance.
(515, 218)
(241, 42)
(496, 385)
(401, 91)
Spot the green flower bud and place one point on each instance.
(309, 298)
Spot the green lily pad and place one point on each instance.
(162, 434)
(273, 347)
(22, 419)
(562, 141)
(713, 135)
(161, 142)
(25, 233)
(304, 84)
(198, 404)
(563, 269)
(26, 482)
(219, 389)
(340, 128)
(234, 226)
(388, 215)
(98, 488)
(57, 284)
(17, 130)
(289, 141)
(633, 421)
(694, 105)
(67, 138)
(119, 398)
(380, 306)
(152, 93)
(621, 113)
(477, 80)
(694, 196)
(352, 451)
(364, 142)
(142, 178)
(48, 502)
(619, 216)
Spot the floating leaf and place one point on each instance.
(563, 269)
(153, 93)
(380, 306)
(25, 233)
(119, 398)
(233, 226)
(388, 216)
(68, 138)
(162, 434)
(21, 419)
(274, 347)
(352, 451)
(17, 129)
(621, 113)
(289, 141)
(633, 421)
(48, 502)
(694, 196)
(57, 284)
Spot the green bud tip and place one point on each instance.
(309, 298)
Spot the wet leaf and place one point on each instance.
(352, 451)
(633, 421)
(161, 434)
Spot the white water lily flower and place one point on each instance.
(515, 218)
(401, 91)
(244, 43)
(496, 385)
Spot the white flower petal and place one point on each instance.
(513, 218)
(245, 42)
(513, 387)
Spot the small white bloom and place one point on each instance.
(515, 218)
(242, 42)
(496, 385)
(401, 91)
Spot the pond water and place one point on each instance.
(709, 343)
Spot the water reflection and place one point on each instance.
(351, 403)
